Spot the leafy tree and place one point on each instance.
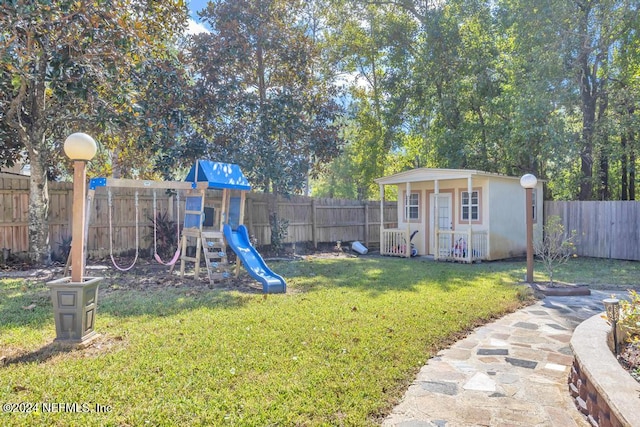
(337, 180)
(509, 86)
(145, 139)
(625, 103)
(590, 32)
(535, 94)
(369, 45)
(65, 66)
(266, 104)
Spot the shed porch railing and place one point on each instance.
(464, 246)
(395, 242)
(450, 245)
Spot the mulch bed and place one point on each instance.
(629, 358)
(147, 274)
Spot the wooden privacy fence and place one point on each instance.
(311, 220)
(14, 213)
(320, 220)
(604, 229)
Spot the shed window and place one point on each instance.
(470, 205)
(412, 206)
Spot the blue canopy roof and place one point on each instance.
(219, 175)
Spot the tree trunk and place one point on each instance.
(30, 123)
(588, 83)
(279, 226)
(274, 218)
(586, 150)
(631, 151)
(116, 167)
(603, 176)
(39, 245)
(603, 172)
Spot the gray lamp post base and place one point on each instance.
(74, 309)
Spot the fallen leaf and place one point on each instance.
(29, 307)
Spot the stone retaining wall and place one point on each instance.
(591, 403)
(603, 391)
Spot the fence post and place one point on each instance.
(249, 214)
(366, 224)
(314, 229)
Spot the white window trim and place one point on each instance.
(408, 206)
(477, 220)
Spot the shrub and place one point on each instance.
(165, 233)
(630, 315)
(556, 247)
(630, 326)
(64, 247)
(279, 231)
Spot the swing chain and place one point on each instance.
(110, 203)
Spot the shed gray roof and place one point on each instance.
(433, 174)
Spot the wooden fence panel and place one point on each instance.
(606, 229)
(130, 226)
(310, 220)
(14, 213)
(625, 238)
(60, 217)
(317, 220)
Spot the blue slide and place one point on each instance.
(253, 262)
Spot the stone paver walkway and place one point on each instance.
(512, 372)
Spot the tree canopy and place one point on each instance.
(505, 86)
(265, 102)
(339, 91)
(68, 65)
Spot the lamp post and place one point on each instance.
(80, 148)
(612, 308)
(75, 298)
(529, 182)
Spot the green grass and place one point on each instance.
(339, 348)
(600, 273)
(597, 273)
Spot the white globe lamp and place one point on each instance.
(80, 146)
(528, 181)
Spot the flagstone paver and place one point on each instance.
(511, 372)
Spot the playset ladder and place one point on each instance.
(186, 236)
(215, 255)
(209, 243)
(193, 214)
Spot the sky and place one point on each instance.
(194, 25)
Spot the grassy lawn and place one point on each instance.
(339, 348)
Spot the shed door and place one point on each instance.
(443, 216)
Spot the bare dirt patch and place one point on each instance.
(560, 289)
